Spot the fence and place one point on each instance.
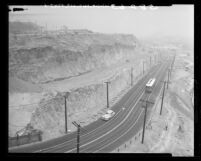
(25, 139)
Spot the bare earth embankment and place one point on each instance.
(44, 66)
(173, 131)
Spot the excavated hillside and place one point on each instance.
(43, 65)
(51, 56)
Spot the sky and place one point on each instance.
(177, 20)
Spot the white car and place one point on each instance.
(108, 115)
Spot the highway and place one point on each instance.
(105, 136)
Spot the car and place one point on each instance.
(109, 114)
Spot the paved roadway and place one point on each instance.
(104, 136)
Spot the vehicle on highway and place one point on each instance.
(150, 85)
(109, 114)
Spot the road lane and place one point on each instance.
(132, 130)
(117, 132)
(71, 138)
(66, 147)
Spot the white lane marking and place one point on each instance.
(111, 129)
(128, 129)
(121, 135)
(118, 124)
(49, 148)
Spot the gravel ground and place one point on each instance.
(173, 131)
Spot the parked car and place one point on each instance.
(109, 114)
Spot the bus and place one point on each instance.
(150, 85)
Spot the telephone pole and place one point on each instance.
(173, 62)
(143, 67)
(78, 135)
(78, 138)
(168, 77)
(155, 59)
(170, 73)
(107, 94)
(162, 97)
(145, 115)
(150, 61)
(46, 28)
(131, 76)
(66, 123)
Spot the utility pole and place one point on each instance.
(172, 62)
(170, 73)
(78, 135)
(162, 97)
(156, 58)
(78, 138)
(143, 67)
(46, 28)
(66, 123)
(150, 61)
(145, 115)
(131, 76)
(107, 94)
(168, 77)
